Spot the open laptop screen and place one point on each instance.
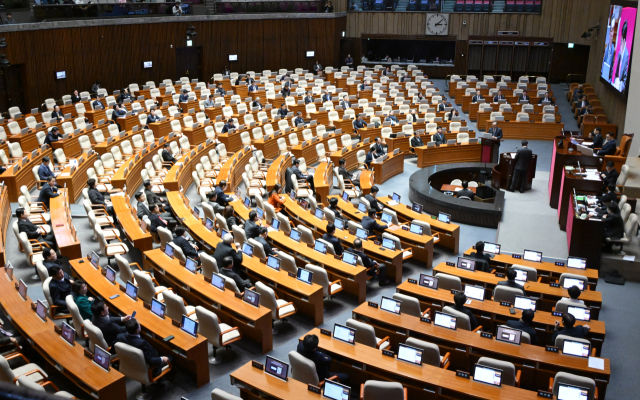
(445, 320)
(68, 334)
(410, 354)
(251, 297)
(575, 348)
(339, 223)
(568, 282)
(218, 281)
(569, 392)
(344, 333)
(581, 313)
(390, 305)
(388, 243)
(295, 235)
(191, 265)
(474, 292)
(491, 248)
(132, 290)
(190, 326)
(321, 247)
(168, 250)
(209, 224)
(247, 249)
(521, 276)
(415, 228)
(386, 218)
(277, 368)
(22, 289)
(319, 213)
(304, 275)
(362, 207)
(464, 263)
(95, 259)
(506, 334)
(111, 275)
(157, 308)
(275, 223)
(488, 375)
(336, 391)
(41, 310)
(428, 281)
(524, 303)
(534, 256)
(578, 263)
(101, 358)
(395, 197)
(416, 207)
(442, 217)
(273, 262)
(362, 233)
(349, 258)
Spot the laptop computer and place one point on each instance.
(336, 391)
(521, 276)
(273, 262)
(208, 224)
(188, 325)
(534, 256)
(465, 263)
(509, 335)
(578, 263)
(446, 218)
(22, 289)
(95, 259)
(362, 207)
(445, 320)
(580, 313)
(525, 303)
(575, 348)
(259, 213)
(101, 358)
(338, 223)
(218, 281)
(570, 392)
(474, 292)
(277, 368)
(491, 248)
(304, 276)
(488, 375)
(131, 291)
(157, 308)
(568, 282)
(410, 354)
(344, 333)
(390, 305)
(428, 281)
(319, 213)
(251, 297)
(275, 225)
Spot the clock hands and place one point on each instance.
(440, 23)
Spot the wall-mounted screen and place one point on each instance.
(618, 44)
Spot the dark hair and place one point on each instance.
(227, 261)
(624, 29)
(374, 189)
(97, 306)
(55, 128)
(91, 183)
(296, 162)
(331, 228)
(179, 231)
(262, 230)
(252, 215)
(480, 247)
(50, 178)
(568, 320)
(610, 164)
(223, 183)
(19, 212)
(574, 292)
(597, 129)
(310, 342)
(211, 195)
(166, 144)
(371, 212)
(333, 201)
(228, 211)
(524, 143)
(613, 206)
(357, 244)
(77, 285)
(146, 184)
(132, 326)
(527, 316)
(46, 253)
(137, 195)
(459, 298)
(54, 270)
(342, 161)
(153, 207)
(465, 184)
(610, 134)
(46, 159)
(611, 186)
(511, 274)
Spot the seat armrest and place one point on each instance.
(518, 373)
(444, 363)
(478, 329)
(362, 391)
(35, 371)
(163, 373)
(385, 339)
(12, 356)
(425, 312)
(551, 384)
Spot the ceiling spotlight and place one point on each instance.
(3, 43)
(3, 61)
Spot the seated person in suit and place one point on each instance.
(611, 175)
(308, 348)
(346, 175)
(124, 95)
(608, 197)
(577, 93)
(524, 96)
(370, 223)
(230, 218)
(441, 107)
(459, 299)
(50, 259)
(308, 98)
(188, 249)
(143, 210)
(585, 111)
(378, 146)
(374, 269)
(53, 136)
(298, 120)
(286, 91)
(326, 96)
(262, 239)
(111, 327)
(57, 114)
(465, 191)
(358, 123)
(300, 176)
(329, 237)
(333, 206)
(224, 249)
(345, 103)
(44, 170)
(253, 87)
(283, 111)
(371, 198)
(524, 324)
(449, 116)
(598, 141)
(34, 231)
(97, 198)
(498, 97)
(229, 126)
(546, 98)
(156, 219)
(392, 118)
(574, 294)
(212, 198)
(583, 102)
(222, 198)
(476, 97)
(412, 117)
(479, 253)
(371, 155)
(256, 104)
(153, 198)
(166, 154)
(220, 90)
(511, 280)
(416, 140)
(152, 117)
(609, 146)
(251, 225)
(439, 137)
(75, 97)
(184, 97)
(48, 191)
(133, 339)
(79, 290)
(569, 328)
(613, 224)
(210, 102)
(59, 288)
(96, 104)
(228, 271)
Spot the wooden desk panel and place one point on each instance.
(127, 123)
(323, 181)
(191, 353)
(571, 182)
(94, 116)
(24, 176)
(350, 155)
(130, 225)
(276, 171)
(62, 226)
(70, 361)
(78, 180)
(528, 130)
(445, 154)
(5, 218)
(250, 380)
(231, 141)
(309, 151)
(392, 166)
(179, 176)
(233, 169)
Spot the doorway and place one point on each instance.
(188, 62)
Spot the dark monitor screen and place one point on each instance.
(416, 207)
(273, 262)
(277, 368)
(190, 326)
(101, 358)
(132, 290)
(465, 263)
(345, 334)
(251, 297)
(304, 275)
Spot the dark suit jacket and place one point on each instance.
(472, 318)
(59, 291)
(222, 198)
(96, 197)
(496, 98)
(223, 250)
(366, 261)
(392, 118)
(371, 225)
(465, 192)
(283, 112)
(227, 127)
(266, 246)
(523, 158)
(49, 264)
(31, 229)
(608, 149)
(610, 177)
(185, 246)
(184, 98)
(379, 149)
(299, 175)
(44, 172)
(167, 157)
(369, 159)
(151, 356)
(550, 100)
(511, 284)
(298, 120)
(597, 141)
(326, 97)
(57, 115)
(143, 210)
(439, 138)
(583, 103)
(416, 141)
(335, 242)
(156, 222)
(256, 103)
(523, 97)
(345, 104)
(308, 99)
(578, 331)
(373, 202)
(477, 97)
(497, 132)
(251, 229)
(608, 197)
(240, 283)
(525, 328)
(51, 137)
(345, 174)
(111, 327)
(321, 361)
(441, 107)
(359, 124)
(46, 193)
(613, 226)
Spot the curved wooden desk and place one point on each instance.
(77, 180)
(387, 169)
(445, 154)
(5, 218)
(141, 239)
(24, 176)
(276, 171)
(62, 226)
(528, 130)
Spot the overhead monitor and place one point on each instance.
(619, 34)
(233, 57)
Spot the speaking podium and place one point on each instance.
(503, 172)
(490, 150)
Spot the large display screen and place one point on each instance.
(618, 44)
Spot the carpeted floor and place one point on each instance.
(528, 222)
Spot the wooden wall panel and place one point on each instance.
(114, 54)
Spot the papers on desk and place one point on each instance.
(393, 203)
(513, 155)
(597, 363)
(592, 174)
(587, 143)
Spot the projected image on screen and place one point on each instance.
(618, 44)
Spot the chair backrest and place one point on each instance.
(132, 364)
(463, 321)
(218, 394)
(431, 353)
(126, 274)
(365, 334)
(574, 380)
(306, 235)
(506, 293)
(426, 227)
(410, 305)
(76, 318)
(381, 390)
(209, 264)
(165, 236)
(95, 335)
(303, 369)
(532, 273)
(209, 326)
(508, 369)
(175, 305)
(573, 276)
(6, 373)
(267, 298)
(146, 288)
(448, 282)
(561, 338)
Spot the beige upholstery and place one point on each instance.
(574, 380)
(366, 335)
(508, 369)
(431, 354)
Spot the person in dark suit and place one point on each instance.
(230, 218)
(300, 176)
(184, 96)
(262, 239)
(439, 137)
(333, 206)
(229, 126)
(348, 61)
(511, 280)
(569, 328)
(374, 269)
(95, 87)
(387, 71)
(524, 96)
(256, 104)
(371, 198)
(577, 93)
(583, 102)
(459, 299)
(308, 98)
(441, 106)
(524, 324)
(345, 103)
(378, 147)
(48, 191)
(50, 259)
(220, 90)
(286, 91)
(141, 208)
(283, 111)
(465, 191)
(33, 231)
(596, 135)
(95, 103)
(585, 111)
(476, 97)
(308, 348)
(522, 160)
(609, 147)
(124, 95)
(610, 176)
(59, 288)
(188, 249)
(346, 175)
(156, 220)
(317, 67)
(44, 171)
(298, 120)
(363, 85)
(495, 131)
(222, 198)
(358, 123)
(326, 96)
(371, 155)
(251, 228)
(370, 223)
(608, 196)
(97, 198)
(479, 253)
(151, 118)
(546, 98)
(212, 198)
(227, 270)
(498, 96)
(416, 141)
(53, 136)
(111, 327)
(224, 249)
(392, 118)
(166, 154)
(133, 339)
(75, 97)
(448, 116)
(329, 237)
(153, 198)
(57, 114)
(613, 223)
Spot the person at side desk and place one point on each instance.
(53, 136)
(609, 147)
(223, 199)
(476, 97)
(44, 171)
(387, 71)
(57, 114)
(209, 102)
(262, 239)
(75, 97)
(439, 137)
(143, 210)
(609, 196)
(212, 198)
(574, 294)
(151, 118)
(50, 259)
(286, 90)
(79, 290)
(479, 253)
(32, 230)
(317, 67)
(465, 191)
(166, 154)
(298, 120)
(412, 117)
(156, 219)
(275, 199)
(524, 324)
(124, 95)
(610, 176)
(97, 198)
(283, 110)
(346, 175)
(569, 328)
(220, 90)
(583, 102)
(370, 223)
(522, 160)
(392, 118)
(229, 126)
(459, 299)
(228, 271)
(151, 356)
(333, 206)
(416, 141)
(251, 226)
(188, 249)
(495, 131)
(374, 269)
(345, 103)
(59, 288)
(256, 104)
(586, 110)
(524, 96)
(329, 237)
(95, 103)
(230, 218)
(511, 280)
(373, 202)
(498, 97)
(224, 249)
(326, 96)
(577, 93)
(546, 98)
(348, 61)
(48, 191)
(441, 106)
(253, 87)
(111, 327)
(371, 155)
(359, 123)
(613, 224)
(300, 176)
(363, 85)
(308, 98)
(308, 348)
(378, 147)
(448, 116)
(596, 135)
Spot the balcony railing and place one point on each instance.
(231, 7)
(57, 12)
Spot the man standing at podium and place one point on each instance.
(522, 159)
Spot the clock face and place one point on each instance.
(437, 24)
